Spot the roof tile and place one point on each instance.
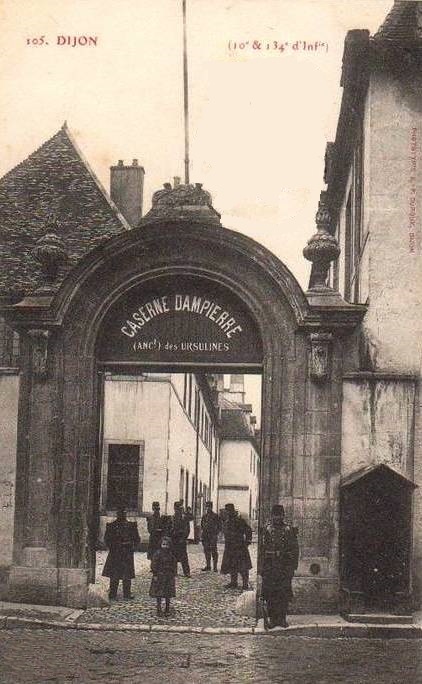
(54, 182)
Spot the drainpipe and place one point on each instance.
(195, 510)
(210, 473)
(218, 453)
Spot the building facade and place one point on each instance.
(373, 176)
(161, 442)
(239, 454)
(90, 303)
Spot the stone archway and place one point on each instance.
(57, 443)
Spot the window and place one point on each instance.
(125, 474)
(182, 484)
(187, 489)
(336, 266)
(348, 249)
(196, 414)
(357, 223)
(185, 390)
(9, 345)
(353, 226)
(15, 348)
(190, 395)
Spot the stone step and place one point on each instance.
(379, 618)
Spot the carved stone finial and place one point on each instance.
(183, 202)
(322, 248)
(51, 253)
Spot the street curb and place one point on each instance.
(349, 631)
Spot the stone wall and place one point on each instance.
(393, 325)
(9, 391)
(235, 469)
(382, 420)
(378, 424)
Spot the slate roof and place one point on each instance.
(54, 183)
(376, 467)
(234, 425)
(402, 24)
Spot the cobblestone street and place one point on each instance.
(59, 657)
(200, 601)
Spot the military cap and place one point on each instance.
(277, 509)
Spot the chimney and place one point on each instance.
(237, 389)
(127, 189)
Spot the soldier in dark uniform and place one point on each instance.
(210, 526)
(236, 558)
(179, 534)
(155, 529)
(121, 537)
(279, 560)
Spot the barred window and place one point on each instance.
(124, 481)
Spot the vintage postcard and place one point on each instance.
(210, 341)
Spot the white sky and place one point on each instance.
(260, 119)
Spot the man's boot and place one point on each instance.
(126, 589)
(233, 582)
(112, 592)
(207, 562)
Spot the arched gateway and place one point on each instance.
(250, 310)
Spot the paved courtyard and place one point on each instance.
(59, 657)
(201, 601)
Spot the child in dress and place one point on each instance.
(163, 583)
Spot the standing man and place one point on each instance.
(121, 537)
(210, 526)
(155, 530)
(236, 558)
(179, 535)
(280, 557)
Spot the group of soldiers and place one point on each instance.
(237, 537)
(277, 561)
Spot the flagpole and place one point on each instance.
(185, 95)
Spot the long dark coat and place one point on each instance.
(210, 526)
(237, 536)
(121, 537)
(280, 555)
(179, 534)
(155, 529)
(163, 566)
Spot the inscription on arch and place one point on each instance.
(179, 319)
